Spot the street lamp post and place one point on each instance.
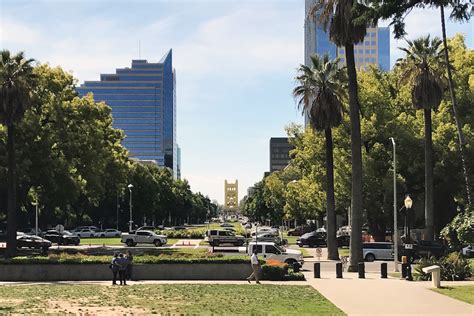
(130, 223)
(408, 246)
(395, 226)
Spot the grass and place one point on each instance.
(166, 299)
(114, 241)
(463, 293)
(343, 252)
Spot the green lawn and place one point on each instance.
(463, 293)
(113, 241)
(165, 299)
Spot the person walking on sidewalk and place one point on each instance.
(114, 266)
(255, 268)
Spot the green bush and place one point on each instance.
(280, 273)
(454, 267)
(147, 259)
(460, 230)
(274, 273)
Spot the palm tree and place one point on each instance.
(17, 82)
(346, 25)
(422, 67)
(460, 12)
(319, 96)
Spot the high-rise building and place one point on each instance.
(375, 49)
(143, 102)
(279, 153)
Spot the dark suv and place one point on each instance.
(300, 230)
(424, 249)
(312, 239)
(64, 238)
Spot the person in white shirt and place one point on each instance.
(255, 268)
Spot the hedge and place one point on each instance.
(160, 259)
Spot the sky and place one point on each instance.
(235, 63)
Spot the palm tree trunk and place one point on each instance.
(11, 206)
(429, 214)
(330, 201)
(356, 160)
(455, 113)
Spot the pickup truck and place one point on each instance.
(143, 237)
(269, 250)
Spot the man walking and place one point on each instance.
(255, 268)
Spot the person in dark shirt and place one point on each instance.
(122, 263)
(114, 266)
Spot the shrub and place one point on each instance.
(146, 259)
(273, 273)
(184, 234)
(454, 267)
(460, 230)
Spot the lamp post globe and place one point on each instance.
(130, 223)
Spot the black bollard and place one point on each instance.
(404, 270)
(361, 270)
(383, 270)
(339, 270)
(408, 273)
(317, 270)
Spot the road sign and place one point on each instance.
(408, 246)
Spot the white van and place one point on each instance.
(269, 250)
(377, 251)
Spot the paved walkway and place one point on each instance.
(376, 296)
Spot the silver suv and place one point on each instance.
(217, 237)
(377, 251)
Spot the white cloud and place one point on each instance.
(14, 32)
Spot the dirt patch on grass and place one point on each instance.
(78, 308)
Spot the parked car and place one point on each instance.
(312, 239)
(144, 237)
(343, 240)
(260, 230)
(64, 238)
(300, 230)
(93, 228)
(29, 241)
(85, 232)
(270, 237)
(248, 225)
(31, 231)
(372, 251)
(110, 232)
(217, 237)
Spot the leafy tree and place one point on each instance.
(346, 24)
(17, 85)
(320, 93)
(460, 231)
(461, 11)
(421, 69)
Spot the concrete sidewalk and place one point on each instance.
(376, 296)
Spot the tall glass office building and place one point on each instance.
(375, 49)
(143, 102)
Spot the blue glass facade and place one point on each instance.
(384, 48)
(143, 102)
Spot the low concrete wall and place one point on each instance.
(89, 272)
